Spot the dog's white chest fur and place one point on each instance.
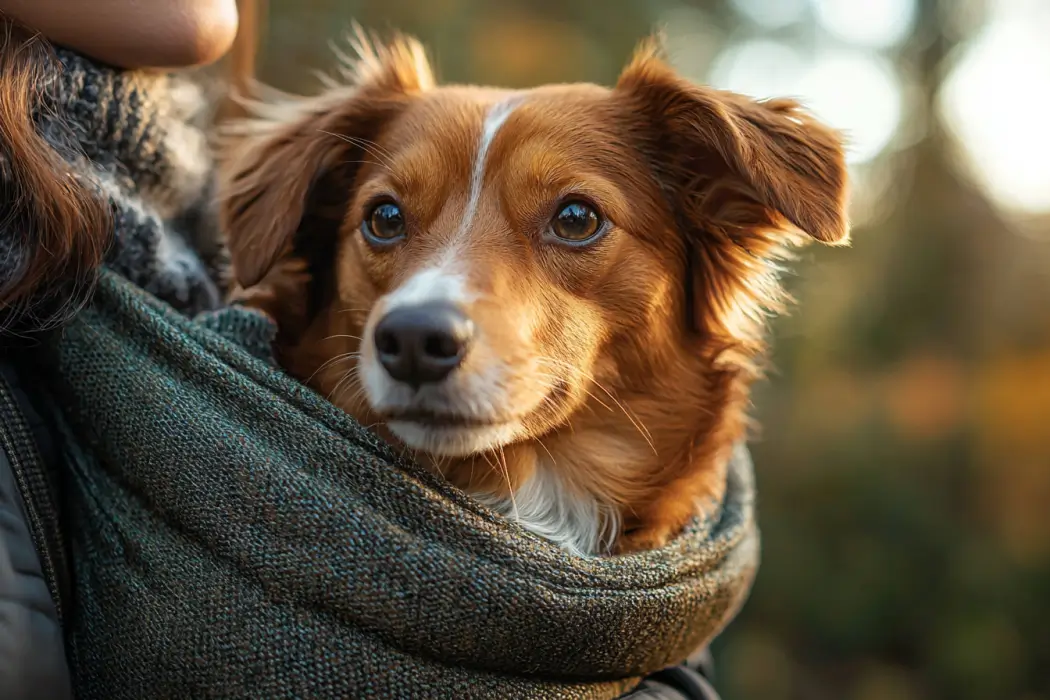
(545, 506)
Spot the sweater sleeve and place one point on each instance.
(32, 648)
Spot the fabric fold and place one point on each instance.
(215, 497)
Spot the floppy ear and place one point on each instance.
(291, 167)
(785, 159)
(747, 179)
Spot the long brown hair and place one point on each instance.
(58, 223)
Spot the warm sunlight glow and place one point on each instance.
(869, 23)
(856, 92)
(759, 68)
(997, 102)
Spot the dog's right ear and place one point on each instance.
(298, 154)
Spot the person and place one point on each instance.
(104, 164)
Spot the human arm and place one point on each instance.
(134, 33)
(32, 651)
(32, 648)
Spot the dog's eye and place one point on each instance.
(385, 223)
(576, 222)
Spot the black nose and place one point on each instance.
(422, 344)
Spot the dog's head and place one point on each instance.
(485, 262)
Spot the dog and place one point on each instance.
(555, 298)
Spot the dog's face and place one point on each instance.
(477, 269)
(495, 244)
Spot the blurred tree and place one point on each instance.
(886, 575)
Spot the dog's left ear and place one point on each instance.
(746, 181)
(709, 142)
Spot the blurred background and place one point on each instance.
(904, 461)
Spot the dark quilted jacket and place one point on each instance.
(32, 649)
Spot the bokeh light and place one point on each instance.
(996, 101)
(759, 68)
(691, 39)
(870, 23)
(771, 14)
(856, 92)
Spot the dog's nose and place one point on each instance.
(423, 344)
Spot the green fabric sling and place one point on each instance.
(234, 535)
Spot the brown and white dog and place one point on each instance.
(556, 297)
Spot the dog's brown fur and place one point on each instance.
(628, 363)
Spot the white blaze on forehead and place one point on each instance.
(494, 119)
(443, 282)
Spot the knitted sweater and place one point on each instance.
(234, 535)
(140, 139)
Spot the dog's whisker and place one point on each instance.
(631, 417)
(551, 402)
(338, 385)
(372, 162)
(486, 456)
(547, 450)
(338, 358)
(382, 149)
(356, 396)
(371, 148)
(586, 391)
(639, 426)
(583, 374)
(367, 146)
(510, 487)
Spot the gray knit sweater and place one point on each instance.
(140, 139)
